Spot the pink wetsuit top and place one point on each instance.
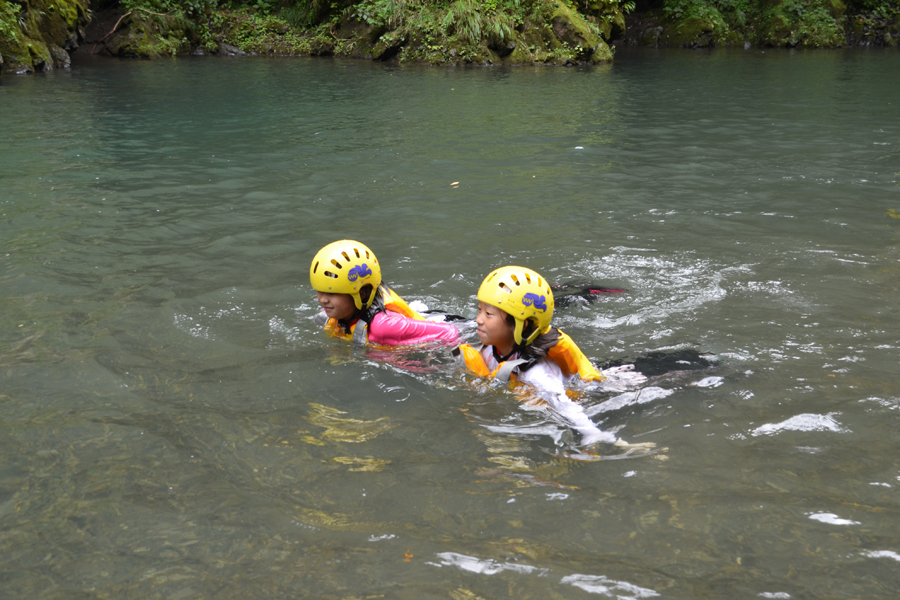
(393, 329)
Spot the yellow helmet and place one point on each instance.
(344, 267)
(522, 293)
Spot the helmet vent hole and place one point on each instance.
(515, 279)
(527, 277)
(330, 274)
(346, 256)
(336, 263)
(316, 267)
(505, 288)
(356, 251)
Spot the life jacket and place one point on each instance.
(385, 300)
(565, 353)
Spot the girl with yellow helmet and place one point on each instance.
(515, 307)
(357, 305)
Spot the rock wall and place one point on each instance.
(38, 35)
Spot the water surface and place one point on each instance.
(175, 426)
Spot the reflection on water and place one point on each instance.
(174, 425)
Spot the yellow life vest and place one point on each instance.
(565, 353)
(392, 302)
(395, 303)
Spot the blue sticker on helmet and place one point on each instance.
(358, 271)
(531, 299)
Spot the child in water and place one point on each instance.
(515, 306)
(357, 305)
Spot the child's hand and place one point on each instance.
(621, 378)
(638, 449)
(591, 438)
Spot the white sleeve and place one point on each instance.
(548, 378)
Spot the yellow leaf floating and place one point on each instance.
(339, 429)
(894, 214)
(369, 465)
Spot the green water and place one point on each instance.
(173, 425)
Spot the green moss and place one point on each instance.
(803, 23)
(575, 37)
(696, 24)
(10, 32)
(33, 33)
(150, 36)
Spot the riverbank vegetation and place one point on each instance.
(767, 23)
(39, 34)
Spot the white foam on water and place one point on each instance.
(599, 584)
(831, 519)
(882, 554)
(802, 422)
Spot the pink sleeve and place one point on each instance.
(392, 329)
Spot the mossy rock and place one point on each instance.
(522, 54)
(776, 31)
(387, 47)
(836, 7)
(321, 46)
(15, 55)
(574, 34)
(31, 55)
(141, 36)
(692, 32)
(818, 24)
(38, 32)
(602, 53)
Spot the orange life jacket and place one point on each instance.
(392, 302)
(565, 353)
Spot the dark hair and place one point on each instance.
(537, 349)
(365, 314)
(364, 293)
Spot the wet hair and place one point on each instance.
(366, 314)
(364, 293)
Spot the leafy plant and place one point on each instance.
(9, 21)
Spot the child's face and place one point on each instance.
(337, 306)
(493, 330)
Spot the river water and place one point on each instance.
(173, 425)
